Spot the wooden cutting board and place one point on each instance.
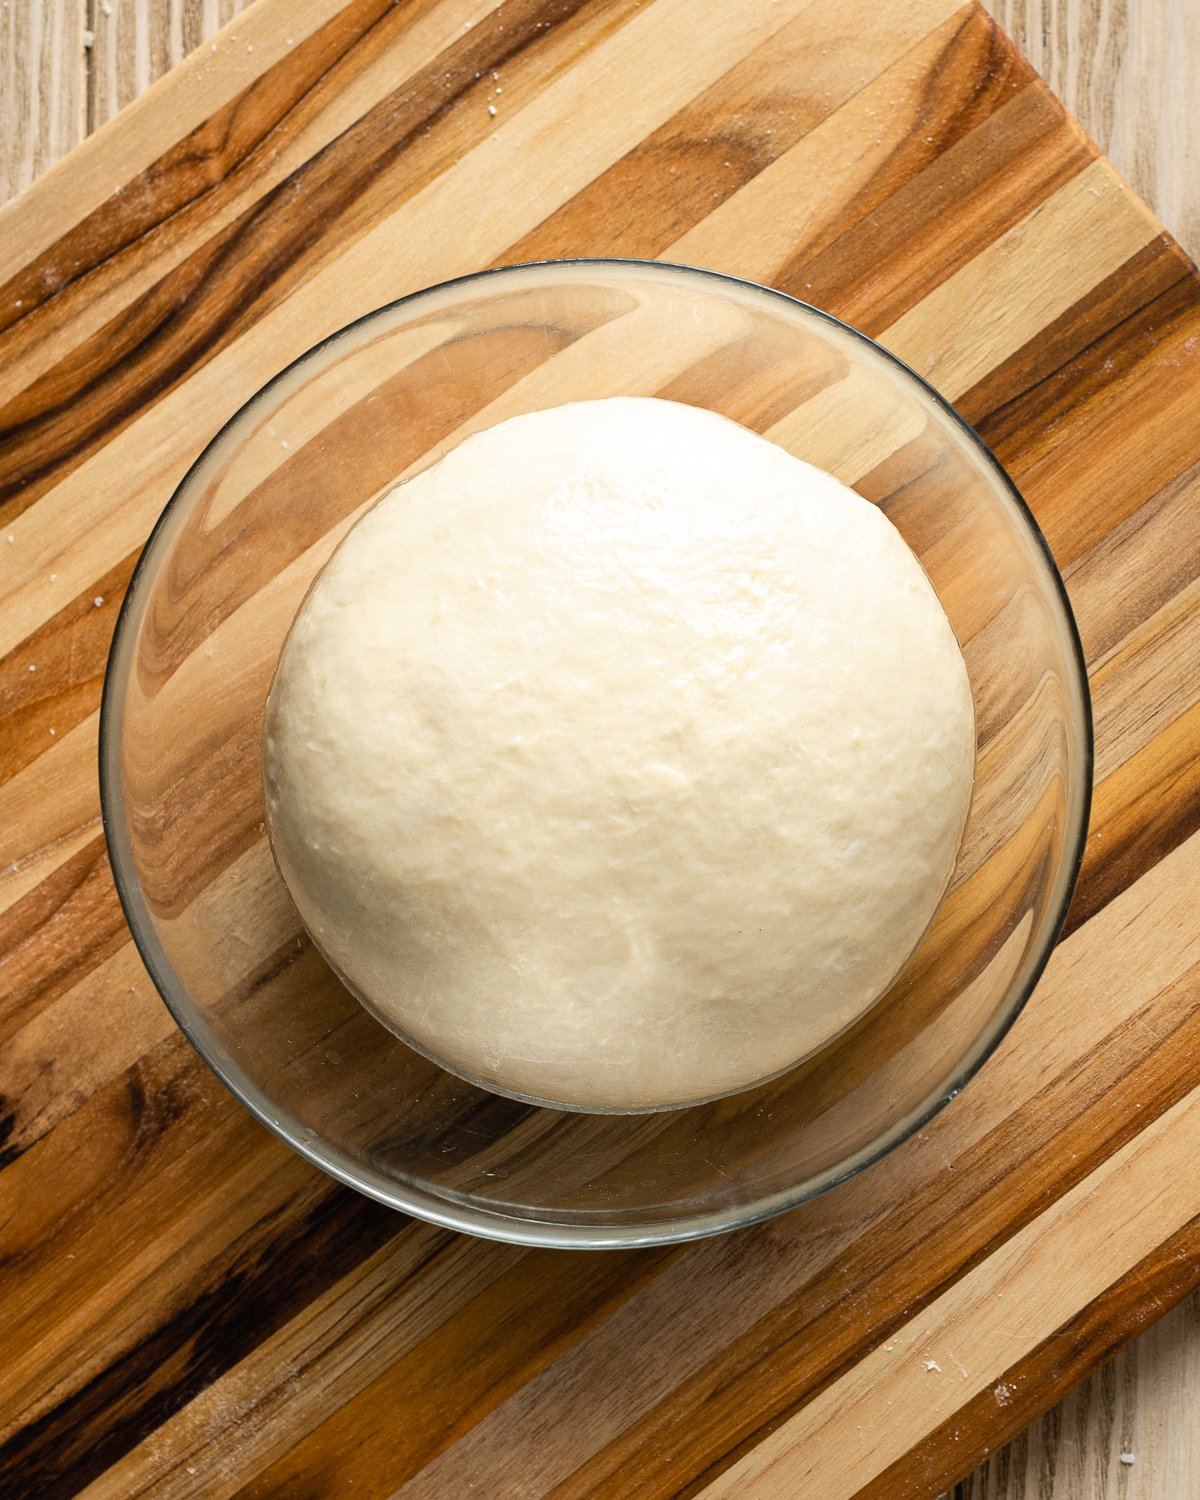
(190, 1309)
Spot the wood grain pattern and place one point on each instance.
(67, 66)
(135, 43)
(852, 180)
(1119, 65)
(1139, 1405)
(43, 86)
(1122, 68)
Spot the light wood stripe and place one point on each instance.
(1157, 686)
(35, 837)
(124, 148)
(961, 331)
(967, 1340)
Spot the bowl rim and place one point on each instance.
(477, 1219)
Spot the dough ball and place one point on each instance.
(619, 759)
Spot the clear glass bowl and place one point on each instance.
(212, 599)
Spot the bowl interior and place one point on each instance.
(215, 594)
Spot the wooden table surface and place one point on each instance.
(1123, 67)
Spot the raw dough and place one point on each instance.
(619, 759)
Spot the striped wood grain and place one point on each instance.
(1119, 65)
(134, 43)
(43, 86)
(849, 180)
(1122, 69)
(67, 66)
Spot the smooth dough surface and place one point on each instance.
(619, 759)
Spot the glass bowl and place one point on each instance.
(216, 590)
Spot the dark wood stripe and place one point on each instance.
(143, 1123)
(69, 652)
(201, 168)
(39, 1099)
(221, 288)
(696, 160)
(1099, 377)
(76, 1190)
(32, 1115)
(712, 147)
(291, 1256)
(1131, 396)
